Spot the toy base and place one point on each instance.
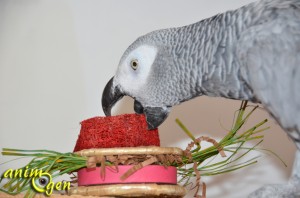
(131, 190)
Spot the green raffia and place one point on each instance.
(183, 127)
(54, 163)
(232, 143)
(57, 164)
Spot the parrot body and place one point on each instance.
(252, 53)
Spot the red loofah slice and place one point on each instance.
(128, 130)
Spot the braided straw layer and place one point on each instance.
(131, 190)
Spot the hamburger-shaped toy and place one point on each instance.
(117, 156)
(124, 159)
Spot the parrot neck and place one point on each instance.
(207, 50)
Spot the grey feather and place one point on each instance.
(270, 55)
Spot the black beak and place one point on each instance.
(138, 108)
(110, 96)
(154, 115)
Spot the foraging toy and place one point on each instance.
(124, 159)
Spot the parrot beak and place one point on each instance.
(155, 116)
(110, 96)
(138, 108)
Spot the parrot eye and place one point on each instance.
(134, 64)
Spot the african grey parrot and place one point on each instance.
(252, 53)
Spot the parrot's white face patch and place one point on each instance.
(134, 69)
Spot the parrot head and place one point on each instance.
(147, 72)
